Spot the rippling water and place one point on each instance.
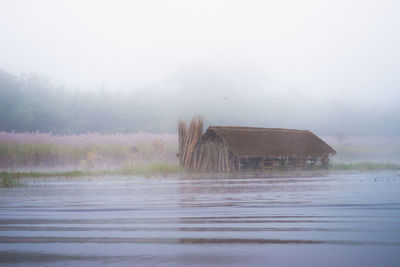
(340, 219)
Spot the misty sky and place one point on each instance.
(336, 52)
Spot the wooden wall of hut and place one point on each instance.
(212, 156)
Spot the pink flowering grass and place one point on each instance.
(90, 150)
(87, 139)
(352, 149)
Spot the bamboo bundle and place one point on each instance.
(188, 139)
(181, 138)
(195, 131)
(210, 155)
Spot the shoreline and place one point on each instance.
(159, 169)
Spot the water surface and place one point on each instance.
(330, 219)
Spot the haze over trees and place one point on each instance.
(31, 102)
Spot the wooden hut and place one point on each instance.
(223, 148)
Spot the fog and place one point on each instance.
(331, 67)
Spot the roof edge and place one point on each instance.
(241, 128)
(244, 128)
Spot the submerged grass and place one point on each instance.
(154, 169)
(158, 169)
(8, 179)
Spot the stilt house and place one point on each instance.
(223, 148)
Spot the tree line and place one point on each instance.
(31, 103)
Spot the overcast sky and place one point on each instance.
(346, 50)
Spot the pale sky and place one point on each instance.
(346, 50)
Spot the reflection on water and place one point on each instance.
(346, 219)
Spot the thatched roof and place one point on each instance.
(263, 142)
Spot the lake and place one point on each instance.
(284, 219)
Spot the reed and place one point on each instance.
(365, 166)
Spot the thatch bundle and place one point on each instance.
(188, 138)
(201, 155)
